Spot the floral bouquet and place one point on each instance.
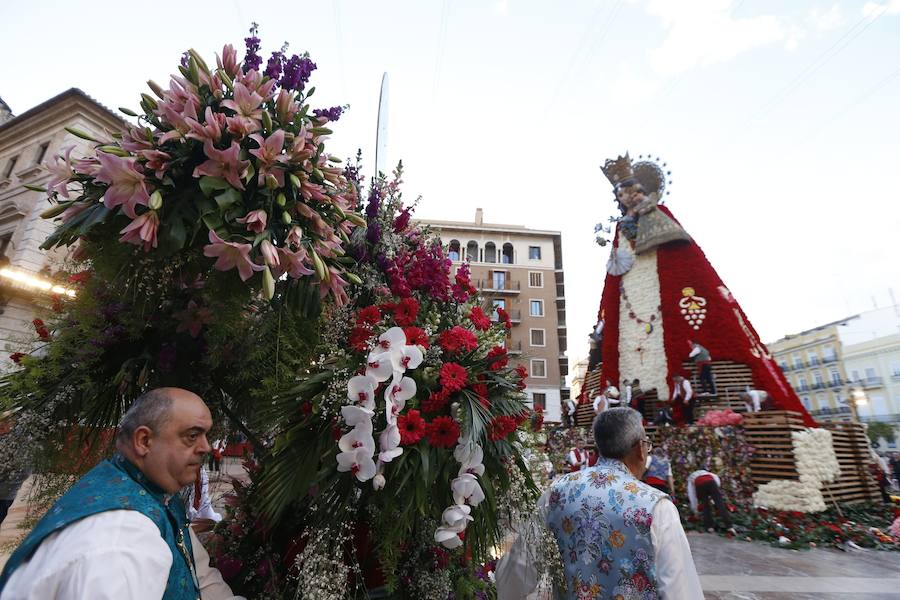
(402, 440)
(721, 418)
(229, 161)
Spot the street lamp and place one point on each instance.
(857, 398)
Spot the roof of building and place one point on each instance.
(791, 336)
(5, 105)
(479, 225)
(71, 92)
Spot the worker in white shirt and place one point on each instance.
(570, 409)
(704, 489)
(755, 400)
(121, 531)
(683, 395)
(602, 557)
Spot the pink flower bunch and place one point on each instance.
(721, 418)
(227, 154)
(895, 528)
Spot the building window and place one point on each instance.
(537, 338)
(41, 153)
(535, 279)
(507, 257)
(829, 354)
(534, 252)
(820, 401)
(895, 368)
(538, 368)
(806, 403)
(490, 252)
(798, 362)
(817, 378)
(453, 251)
(801, 384)
(813, 358)
(835, 377)
(498, 303)
(538, 399)
(854, 376)
(783, 364)
(536, 308)
(472, 251)
(10, 166)
(498, 280)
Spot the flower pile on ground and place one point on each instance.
(406, 430)
(866, 525)
(721, 418)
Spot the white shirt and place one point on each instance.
(206, 510)
(676, 576)
(112, 555)
(756, 398)
(692, 489)
(694, 352)
(688, 391)
(600, 404)
(571, 409)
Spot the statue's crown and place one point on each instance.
(618, 170)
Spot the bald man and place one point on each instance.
(121, 531)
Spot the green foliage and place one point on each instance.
(878, 429)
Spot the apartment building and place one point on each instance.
(520, 270)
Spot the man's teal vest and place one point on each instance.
(116, 484)
(601, 518)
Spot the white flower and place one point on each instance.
(354, 415)
(457, 517)
(379, 366)
(392, 339)
(359, 462)
(396, 394)
(469, 457)
(378, 482)
(361, 391)
(447, 538)
(358, 437)
(466, 490)
(407, 357)
(389, 441)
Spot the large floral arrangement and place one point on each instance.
(228, 161)
(816, 464)
(402, 440)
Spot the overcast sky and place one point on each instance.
(779, 120)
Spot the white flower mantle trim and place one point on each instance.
(390, 358)
(816, 463)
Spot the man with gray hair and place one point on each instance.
(121, 531)
(617, 536)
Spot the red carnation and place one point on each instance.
(479, 319)
(443, 432)
(458, 339)
(416, 336)
(41, 330)
(497, 358)
(359, 338)
(501, 426)
(412, 427)
(369, 315)
(80, 277)
(436, 401)
(17, 357)
(523, 375)
(453, 377)
(405, 312)
(504, 317)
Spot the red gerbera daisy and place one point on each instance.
(479, 319)
(359, 338)
(453, 377)
(458, 339)
(369, 315)
(443, 432)
(416, 336)
(412, 427)
(405, 312)
(497, 358)
(436, 401)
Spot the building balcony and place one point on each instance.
(798, 364)
(829, 359)
(514, 348)
(835, 383)
(802, 388)
(819, 385)
(872, 382)
(814, 361)
(499, 287)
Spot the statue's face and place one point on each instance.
(631, 196)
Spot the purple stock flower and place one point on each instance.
(372, 206)
(332, 114)
(373, 233)
(252, 60)
(297, 71)
(274, 66)
(185, 60)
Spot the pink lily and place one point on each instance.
(127, 186)
(136, 139)
(245, 103)
(230, 255)
(211, 130)
(228, 62)
(157, 161)
(285, 107)
(142, 230)
(255, 220)
(335, 285)
(223, 163)
(268, 154)
(192, 318)
(294, 237)
(60, 169)
(269, 253)
(293, 263)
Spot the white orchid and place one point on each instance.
(361, 391)
(457, 517)
(392, 339)
(379, 366)
(359, 462)
(354, 415)
(389, 442)
(469, 457)
(358, 437)
(447, 538)
(406, 357)
(396, 394)
(378, 482)
(466, 490)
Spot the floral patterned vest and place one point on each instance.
(601, 518)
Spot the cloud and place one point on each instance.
(874, 9)
(827, 20)
(703, 32)
(501, 7)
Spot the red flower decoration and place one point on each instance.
(369, 315)
(497, 358)
(501, 426)
(80, 277)
(416, 336)
(41, 330)
(504, 317)
(481, 390)
(17, 357)
(436, 401)
(523, 375)
(458, 339)
(405, 312)
(359, 338)
(443, 432)
(453, 377)
(479, 319)
(412, 427)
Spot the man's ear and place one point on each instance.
(141, 440)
